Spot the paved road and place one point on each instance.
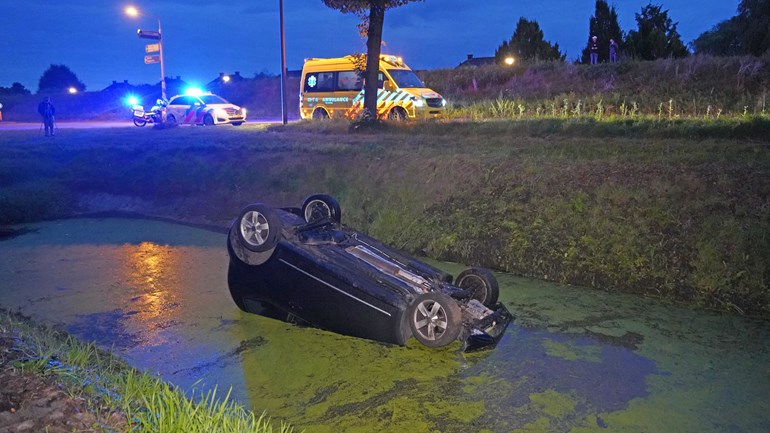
(90, 124)
(95, 124)
(574, 360)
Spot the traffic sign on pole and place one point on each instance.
(148, 60)
(148, 34)
(152, 48)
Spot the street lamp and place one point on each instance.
(134, 12)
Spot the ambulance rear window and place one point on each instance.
(319, 82)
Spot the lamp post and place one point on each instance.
(284, 111)
(134, 12)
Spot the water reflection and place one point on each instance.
(152, 271)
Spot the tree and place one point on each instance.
(15, 89)
(59, 78)
(724, 39)
(746, 33)
(527, 43)
(754, 16)
(372, 15)
(656, 36)
(604, 25)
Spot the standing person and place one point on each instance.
(613, 51)
(593, 47)
(47, 111)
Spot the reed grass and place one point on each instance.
(109, 385)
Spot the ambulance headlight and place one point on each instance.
(419, 102)
(443, 102)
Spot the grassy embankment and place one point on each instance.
(677, 209)
(109, 386)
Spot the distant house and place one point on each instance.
(120, 87)
(475, 62)
(224, 79)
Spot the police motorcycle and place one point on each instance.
(154, 116)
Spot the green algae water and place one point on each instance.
(573, 360)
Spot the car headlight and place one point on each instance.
(221, 113)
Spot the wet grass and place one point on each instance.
(108, 385)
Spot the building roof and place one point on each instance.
(475, 62)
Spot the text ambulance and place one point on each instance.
(333, 88)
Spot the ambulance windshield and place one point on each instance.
(406, 78)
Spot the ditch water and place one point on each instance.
(573, 360)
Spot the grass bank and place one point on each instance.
(676, 209)
(117, 396)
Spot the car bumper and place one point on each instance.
(487, 332)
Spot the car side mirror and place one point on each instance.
(389, 86)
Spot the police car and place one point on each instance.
(196, 108)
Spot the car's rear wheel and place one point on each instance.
(435, 319)
(208, 120)
(237, 123)
(320, 206)
(258, 227)
(320, 113)
(482, 283)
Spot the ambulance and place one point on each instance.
(332, 88)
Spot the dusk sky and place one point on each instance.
(202, 38)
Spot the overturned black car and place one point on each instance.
(302, 264)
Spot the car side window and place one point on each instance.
(349, 80)
(319, 82)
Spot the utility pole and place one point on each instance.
(284, 114)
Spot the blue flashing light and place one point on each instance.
(193, 91)
(132, 100)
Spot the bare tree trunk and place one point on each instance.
(373, 41)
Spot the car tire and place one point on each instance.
(320, 113)
(258, 228)
(320, 206)
(139, 122)
(171, 121)
(208, 120)
(237, 123)
(483, 284)
(397, 114)
(435, 319)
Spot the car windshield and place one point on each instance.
(406, 78)
(212, 99)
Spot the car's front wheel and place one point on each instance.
(435, 319)
(171, 121)
(397, 113)
(258, 227)
(208, 120)
(482, 283)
